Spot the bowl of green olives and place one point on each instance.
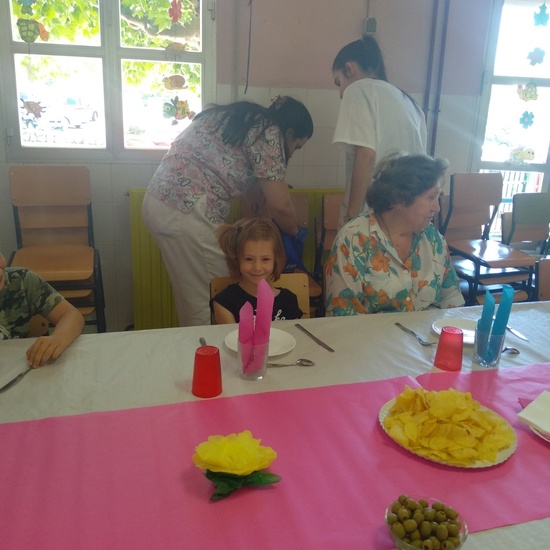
(425, 523)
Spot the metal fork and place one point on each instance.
(421, 340)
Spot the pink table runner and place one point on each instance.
(125, 479)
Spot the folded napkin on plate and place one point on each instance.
(537, 413)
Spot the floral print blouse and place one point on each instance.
(365, 274)
(200, 163)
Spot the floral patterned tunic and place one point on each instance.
(200, 163)
(365, 274)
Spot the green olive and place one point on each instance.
(447, 545)
(429, 514)
(410, 525)
(423, 503)
(435, 543)
(453, 529)
(442, 532)
(425, 529)
(427, 545)
(416, 543)
(451, 512)
(403, 513)
(418, 516)
(440, 516)
(391, 519)
(437, 506)
(395, 506)
(402, 498)
(412, 504)
(398, 530)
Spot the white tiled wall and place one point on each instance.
(318, 165)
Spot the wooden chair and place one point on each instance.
(326, 228)
(54, 231)
(526, 227)
(297, 283)
(484, 264)
(542, 279)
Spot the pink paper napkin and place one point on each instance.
(264, 311)
(246, 324)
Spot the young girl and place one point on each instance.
(254, 251)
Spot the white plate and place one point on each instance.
(279, 341)
(468, 327)
(502, 456)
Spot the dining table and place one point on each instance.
(97, 446)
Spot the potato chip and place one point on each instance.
(447, 426)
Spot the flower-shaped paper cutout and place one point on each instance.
(175, 11)
(238, 454)
(541, 17)
(235, 461)
(526, 119)
(536, 56)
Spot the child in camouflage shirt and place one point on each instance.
(24, 294)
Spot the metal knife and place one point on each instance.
(314, 338)
(517, 333)
(12, 383)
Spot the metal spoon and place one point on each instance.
(512, 351)
(299, 362)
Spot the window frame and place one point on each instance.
(111, 53)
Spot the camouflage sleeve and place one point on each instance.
(25, 294)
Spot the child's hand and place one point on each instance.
(46, 348)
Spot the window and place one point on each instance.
(104, 78)
(515, 135)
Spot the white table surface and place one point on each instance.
(136, 369)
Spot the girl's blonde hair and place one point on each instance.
(232, 238)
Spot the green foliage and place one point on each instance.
(143, 24)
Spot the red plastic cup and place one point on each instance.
(207, 373)
(448, 356)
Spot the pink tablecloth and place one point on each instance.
(125, 479)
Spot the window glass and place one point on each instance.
(60, 101)
(175, 26)
(524, 40)
(159, 101)
(517, 130)
(70, 22)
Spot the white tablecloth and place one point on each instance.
(136, 369)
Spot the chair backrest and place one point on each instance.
(543, 279)
(51, 205)
(330, 216)
(297, 283)
(472, 205)
(529, 220)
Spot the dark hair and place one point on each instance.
(366, 53)
(237, 119)
(233, 237)
(399, 179)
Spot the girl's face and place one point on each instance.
(256, 262)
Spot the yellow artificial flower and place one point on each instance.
(237, 454)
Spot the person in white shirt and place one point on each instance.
(375, 119)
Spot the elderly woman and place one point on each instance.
(391, 258)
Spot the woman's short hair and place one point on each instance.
(399, 179)
(233, 237)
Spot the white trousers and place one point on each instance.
(191, 254)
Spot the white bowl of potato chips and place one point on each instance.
(448, 427)
(425, 523)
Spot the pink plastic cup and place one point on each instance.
(207, 373)
(448, 356)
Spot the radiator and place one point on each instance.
(153, 302)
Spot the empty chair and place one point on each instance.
(54, 231)
(297, 283)
(466, 222)
(527, 226)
